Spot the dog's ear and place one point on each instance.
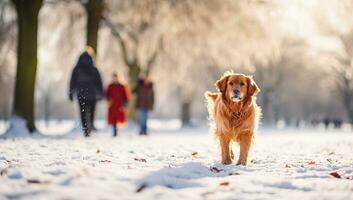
(221, 84)
(253, 89)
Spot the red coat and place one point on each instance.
(117, 96)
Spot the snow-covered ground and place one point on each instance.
(177, 164)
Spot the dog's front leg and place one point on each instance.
(225, 148)
(245, 141)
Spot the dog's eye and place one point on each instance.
(242, 84)
(230, 83)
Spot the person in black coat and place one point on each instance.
(86, 85)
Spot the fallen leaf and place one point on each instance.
(140, 159)
(215, 169)
(105, 161)
(287, 166)
(194, 153)
(311, 162)
(142, 187)
(35, 181)
(226, 183)
(335, 174)
(233, 173)
(98, 151)
(329, 160)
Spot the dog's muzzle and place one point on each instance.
(236, 96)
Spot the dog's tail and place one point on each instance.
(210, 101)
(211, 96)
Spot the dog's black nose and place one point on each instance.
(236, 91)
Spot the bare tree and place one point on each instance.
(344, 72)
(130, 41)
(94, 10)
(7, 43)
(131, 58)
(271, 75)
(27, 19)
(341, 61)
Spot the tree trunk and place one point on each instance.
(134, 72)
(185, 113)
(347, 102)
(94, 9)
(27, 19)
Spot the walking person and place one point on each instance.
(117, 95)
(86, 85)
(144, 101)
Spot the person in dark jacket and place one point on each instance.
(327, 122)
(117, 95)
(144, 101)
(86, 85)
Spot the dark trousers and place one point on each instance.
(115, 130)
(87, 109)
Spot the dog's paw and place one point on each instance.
(241, 162)
(226, 162)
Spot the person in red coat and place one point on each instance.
(117, 96)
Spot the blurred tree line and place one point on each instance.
(185, 46)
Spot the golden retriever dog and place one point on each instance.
(234, 114)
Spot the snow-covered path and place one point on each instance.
(285, 165)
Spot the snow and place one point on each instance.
(177, 164)
(17, 128)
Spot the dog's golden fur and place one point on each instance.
(235, 119)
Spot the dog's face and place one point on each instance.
(237, 87)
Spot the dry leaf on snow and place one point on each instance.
(140, 159)
(226, 183)
(311, 162)
(215, 169)
(335, 174)
(194, 153)
(142, 187)
(105, 161)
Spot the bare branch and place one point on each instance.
(153, 58)
(117, 35)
